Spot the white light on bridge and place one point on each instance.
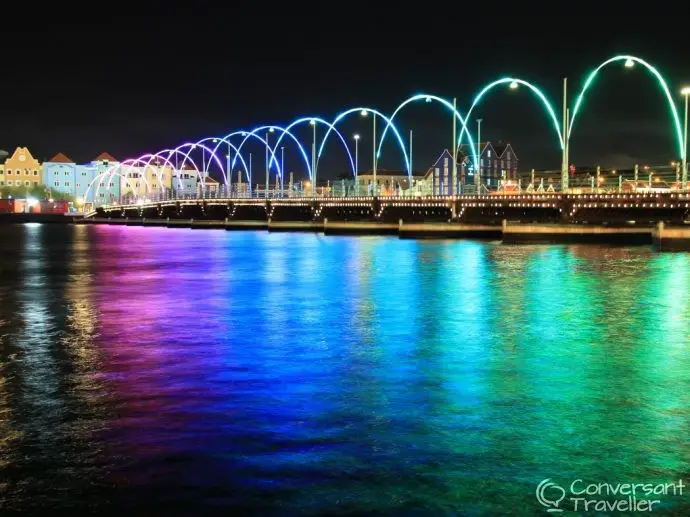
(514, 85)
(629, 63)
(356, 137)
(685, 91)
(364, 113)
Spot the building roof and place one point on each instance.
(209, 180)
(188, 166)
(386, 172)
(60, 158)
(105, 157)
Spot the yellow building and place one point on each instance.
(151, 181)
(22, 169)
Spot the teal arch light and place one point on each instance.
(629, 60)
(513, 82)
(427, 98)
(389, 122)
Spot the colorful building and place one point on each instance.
(21, 169)
(496, 162)
(187, 180)
(60, 175)
(106, 187)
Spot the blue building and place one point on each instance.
(60, 175)
(187, 181)
(496, 162)
(440, 175)
(109, 186)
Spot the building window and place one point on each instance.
(9, 183)
(66, 183)
(1, 183)
(56, 184)
(35, 183)
(83, 173)
(78, 185)
(112, 184)
(9, 172)
(488, 153)
(26, 172)
(35, 172)
(66, 173)
(27, 183)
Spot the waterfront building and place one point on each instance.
(22, 169)
(496, 162)
(184, 181)
(3, 157)
(390, 182)
(60, 175)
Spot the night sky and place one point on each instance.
(134, 83)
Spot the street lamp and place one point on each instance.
(685, 92)
(514, 85)
(365, 113)
(312, 123)
(268, 168)
(629, 63)
(356, 137)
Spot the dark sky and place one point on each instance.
(134, 81)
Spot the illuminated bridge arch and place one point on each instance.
(167, 159)
(192, 146)
(427, 98)
(389, 123)
(331, 127)
(110, 173)
(130, 163)
(238, 150)
(273, 160)
(654, 72)
(157, 157)
(513, 80)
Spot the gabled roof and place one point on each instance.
(61, 158)
(104, 157)
(208, 180)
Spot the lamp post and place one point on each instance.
(312, 122)
(411, 169)
(268, 165)
(477, 166)
(686, 92)
(365, 113)
(564, 163)
(282, 169)
(356, 137)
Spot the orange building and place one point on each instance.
(22, 169)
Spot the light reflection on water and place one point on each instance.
(183, 372)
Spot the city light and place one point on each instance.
(364, 113)
(271, 130)
(629, 63)
(514, 85)
(685, 91)
(356, 136)
(312, 122)
(32, 201)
